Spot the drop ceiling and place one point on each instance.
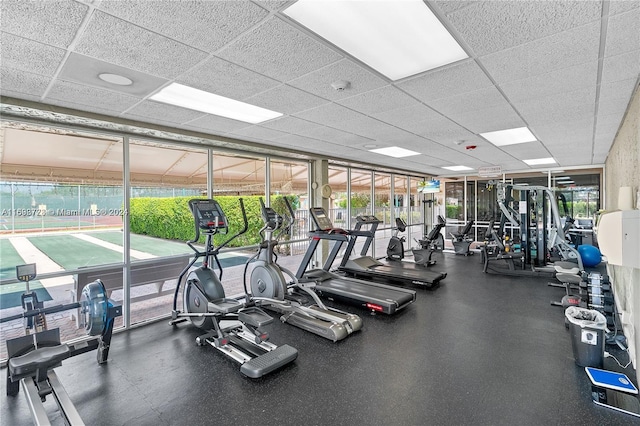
(565, 69)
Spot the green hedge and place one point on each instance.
(170, 218)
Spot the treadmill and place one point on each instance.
(393, 272)
(372, 296)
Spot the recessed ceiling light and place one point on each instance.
(509, 136)
(457, 168)
(120, 80)
(539, 161)
(398, 39)
(395, 151)
(199, 100)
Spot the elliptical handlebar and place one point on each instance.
(245, 226)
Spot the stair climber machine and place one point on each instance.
(391, 271)
(33, 357)
(232, 326)
(374, 297)
(269, 288)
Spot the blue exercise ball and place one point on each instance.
(590, 255)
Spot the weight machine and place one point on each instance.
(542, 237)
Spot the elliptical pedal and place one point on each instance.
(268, 362)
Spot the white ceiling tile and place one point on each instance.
(22, 84)
(329, 114)
(448, 6)
(492, 26)
(379, 100)
(51, 22)
(169, 113)
(491, 154)
(88, 96)
(285, 99)
(366, 126)
(489, 119)
(85, 70)
(114, 40)
(621, 67)
(258, 132)
(615, 97)
(28, 55)
(607, 125)
(552, 83)
(479, 99)
(216, 124)
(168, 18)
(460, 77)
(290, 124)
(279, 51)
(576, 159)
(272, 4)
(571, 106)
(300, 142)
(623, 33)
(564, 133)
(334, 135)
(558, 51)
(223, 78)
(621, 6)
(319, 82)
(525, 151)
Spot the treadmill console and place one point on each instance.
(209, 215)
(320, 219)
(367, 218)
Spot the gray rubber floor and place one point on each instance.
(478, 350)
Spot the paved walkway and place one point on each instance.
(44, 264)
(134, 253)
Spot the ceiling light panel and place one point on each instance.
(396, 38)
(540, 161)
(199, 100)
(394, 151)
(509, 136)
(457, 168)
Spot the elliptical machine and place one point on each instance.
(232, 327)
(270, 289)
(395, 248)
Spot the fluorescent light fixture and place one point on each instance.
(394, 151)
(539, 161)
(457, 168)
(509, 136)
(566, 182)
(561, 178)
(396, 38)
(199, 100)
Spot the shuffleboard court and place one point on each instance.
(72, 253)
(155, 246)
(9, 258)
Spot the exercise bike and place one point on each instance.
(432, 242)
(461, 241)
(33, 357)
(269, 287)
(232, 326)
